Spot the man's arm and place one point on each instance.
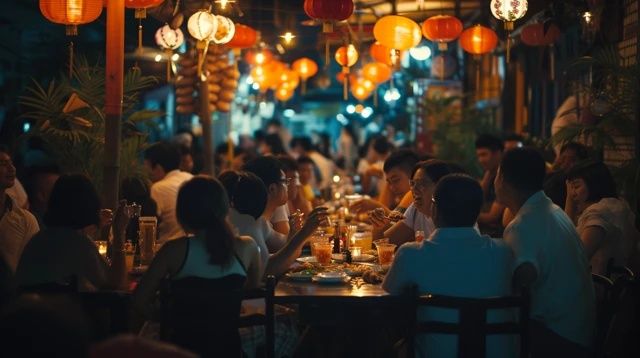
(524, 276)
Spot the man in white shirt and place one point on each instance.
(17, 225)
(455, 261)
(549, 260)
(162, 161)
(302, 146)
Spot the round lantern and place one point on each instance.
(141, 6)
(168, 38)
(224, 31)
(306, 68)
(397, 32)
(273, 71)
(328, 11)
(442, 29)
(202, 24)
(347, 56)
(71, 12)
(376, 72)
(289, 79)
(478, 40)
(283, 94)
(534, 34)
(360, 93)
(258, 57)
(384, 54)
(508, 11)
(243, 37)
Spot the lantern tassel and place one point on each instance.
(169, 62)
(478, 64)
(70, 59)
(326, 53)
(345, 84)
(552, 63)
(508, 47)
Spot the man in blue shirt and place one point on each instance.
(455, 261)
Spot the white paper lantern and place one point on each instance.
(168, 38)
(202, 24)
(508, 10)
(225, 31)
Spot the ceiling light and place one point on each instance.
(420, 53)
(351, 108)
(288, 37)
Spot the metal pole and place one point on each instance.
(207, 129)
(113, 101)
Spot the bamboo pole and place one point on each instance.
(207, 129)
(113, 101)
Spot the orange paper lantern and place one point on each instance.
(347, 56)
(289, 79)
(284, 94)
(71, 12)
(258, 57)
(534, 34)
(384, 54)
(442, 29)
(376, 72)
(478, 40)
(305, 67)
(360, 93)
(397, 32)
(244, 37)
(141, 6)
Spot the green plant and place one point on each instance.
(455, 128)
(68, 114)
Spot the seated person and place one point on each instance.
(213, 252)
(555, 185)
(489, 151)
(248, 199)
(306, 168)
(418, 216)
(369, 168)
(455, 261)
(296, 200)
(605, 223)
(64, 250)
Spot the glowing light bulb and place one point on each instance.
(587, 16)
(288, 37)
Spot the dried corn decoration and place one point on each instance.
(222, 78)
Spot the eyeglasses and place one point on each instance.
(286, 181)
(419, 184)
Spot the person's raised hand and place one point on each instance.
(120, 220)
(364, 205)
(317, 217)
(379, 218)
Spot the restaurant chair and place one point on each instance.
(472, 327)
(614, 271)
(200, 315)
(606, 307)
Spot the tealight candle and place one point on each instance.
(356, 251)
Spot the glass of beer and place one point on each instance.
(385, 253)
(322, 252)
(147, 238)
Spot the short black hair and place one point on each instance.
(524, 169)
(598, 179)
(490, 142)
(266, 168)
(514, 137)
(405, 159)
(435, 169)
(74, 203)
(458, 199)
(165, 154)
(247, 193)
(304, 142)
(305, 160)
(288, 163)
(5, 149)
(274, 142)
(582, 153)
(381, 145)
(274, 122)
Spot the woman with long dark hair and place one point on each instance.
(214, 251)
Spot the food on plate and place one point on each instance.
(370, 276)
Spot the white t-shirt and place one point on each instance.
(19, 195)
(165, 193)
(562, 297)
(17, 227)
(621, 236)
(454, 262)
(280, 214)
(260, 230)
(416, 220)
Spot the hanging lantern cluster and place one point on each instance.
(306, 68)
(362, 88)
(442, 29)
(535, 35)
(508, 11)
(224, 31)
(141, 7)
(328, 12)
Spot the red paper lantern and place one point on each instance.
(71, 12)
(328, 11)
(244, 37)
(442, 29)
(347, 56)
(478, 40)
(258, 57)
(534, 34)
(141, 6)
(383, 54)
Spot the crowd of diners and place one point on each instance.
(525, 225)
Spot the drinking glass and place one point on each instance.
(102, 247)
(385, 253)
(147, 238)
(129, 252)
(323, 252)
(363, 240)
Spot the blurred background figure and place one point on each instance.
(347, 145)
(489, 150)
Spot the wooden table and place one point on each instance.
(355, 291)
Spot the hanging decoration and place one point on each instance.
(376, 72)
(224, 31)
(535, 35)
(346, 56)
(478, 40)
(244, 37)
(169, 39)
(397, 32)
(306, 68)
(202, 24)
(258, 57)
(384, 54)
(328, 12)
(283, 94)
(222, 79)
(141, 7)
(71, 13)
(289, 79)
(442, 29)
(508, 11)
(185, 83)
(360, 90)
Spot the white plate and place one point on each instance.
(299, 276)
(309, 259)
(331, 277)
(361, 258)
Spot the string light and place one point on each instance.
(223, 3)
(288, 37)
(587, 16)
